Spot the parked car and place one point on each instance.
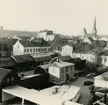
(91, 75)
(87, 83)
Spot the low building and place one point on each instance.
(67, 50)
(85, 56)
(47, 35)
(7, 78)
(61, 72)
(32, 48)
(23, 62)
(101, 80)
(104, 60)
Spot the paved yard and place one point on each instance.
(85, 92)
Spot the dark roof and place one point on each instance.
(3, 73)
(65, 58)
(23, 58)
(42, 59)
(34, 43)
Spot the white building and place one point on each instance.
(101, 80)
(67, 50)
(84, 56)
(60, 72)
(104, 60)
(34, 49)
(47, 35)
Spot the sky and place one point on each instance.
(68, 17)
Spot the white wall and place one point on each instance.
(100, 83)
(18, 48)
(104, 60)
(49, 37)
(42, 35)
(37, 53)
(89, 57)
(67, 50)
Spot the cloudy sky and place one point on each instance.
(62, 16)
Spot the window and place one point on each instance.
(36, 49)
(33, 50)
(27, 50)
(24, 50)
(30, 50)
(45, 49)
(49, 49)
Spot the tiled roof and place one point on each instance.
(42, 59)
(65, 58)
(23, 58)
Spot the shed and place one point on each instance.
(8, 78)
(61, 72)
(24, 62)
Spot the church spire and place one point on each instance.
(94, 31)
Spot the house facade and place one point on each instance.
(34, 49)
(67, 50)
(104, 60)
(85, 56)
(61, 72)
(47, 35)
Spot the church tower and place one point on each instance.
(94, 31)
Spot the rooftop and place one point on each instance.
(23, 58)
(65, 92)
(61, 64)
(34, 43)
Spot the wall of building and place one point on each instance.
(89, 57)
(67, 50)
(50, 38)
(104, 60)
(35, 51)
(18, 48)
(54, 73)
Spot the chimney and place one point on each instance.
(1, 28)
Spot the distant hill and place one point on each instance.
(17, 33)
